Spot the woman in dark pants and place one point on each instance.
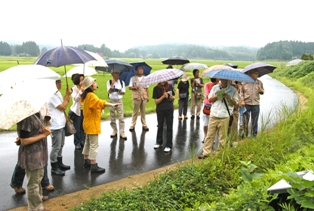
(183, 96)
(163, 95)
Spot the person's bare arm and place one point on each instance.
(26, 141)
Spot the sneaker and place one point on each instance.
(123, 136)
(192, 117)
(185, 117)
(131, 129)
(18, 189)
(180, 117)
(157, 146)
(146, 128)
(198, 117)
(113, 134)
(49, 187)
(167, 149)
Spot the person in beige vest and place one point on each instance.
(140, 98)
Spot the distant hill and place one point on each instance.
(196, 52)
(285, 50)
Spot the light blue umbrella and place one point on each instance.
(231, 74)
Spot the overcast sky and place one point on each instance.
(122, 24)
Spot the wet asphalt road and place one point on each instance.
(136, 155)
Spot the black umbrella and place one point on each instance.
(175, 60)
(116, 65)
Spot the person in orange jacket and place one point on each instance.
(91, 123)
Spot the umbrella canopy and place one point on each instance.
(24, 100)
(231, 74)
(126, 76)
(175, 60)
(64, 55)
(17, 74)
(160, 76)
(192, 66)
(260, 67)
(100, 62)
(235, 66)
(216, 67)
(116, 65)
(294, 62)
(85, 70)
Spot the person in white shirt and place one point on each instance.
(76, 111)
(57, 105)
(116, 90)
(221, 109)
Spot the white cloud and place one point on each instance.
(123, 24)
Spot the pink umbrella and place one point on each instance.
(216, 67)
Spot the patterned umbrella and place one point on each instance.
(260, 67)
(175, 60)
(161, 76)
(216, 67)
(192, 66)
(24, 100)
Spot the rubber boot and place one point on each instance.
(55, 170)
(61, 165)
(96, 169)
(87, 163)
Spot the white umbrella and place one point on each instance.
(87, 71)
(24, 100)
(160, 76)
(17, 74)
(192, 66)
(99, 62)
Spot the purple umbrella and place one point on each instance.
(260, 67)
(62, 56)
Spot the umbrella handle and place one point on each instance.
(42, 124)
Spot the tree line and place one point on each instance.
(285, 50)
(282, 50)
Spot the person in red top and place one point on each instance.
(207, 87)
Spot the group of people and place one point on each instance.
(85, 112)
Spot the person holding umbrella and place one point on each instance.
(33, 157)
(223, 98)
(250, 96)
(163, 95)
(57, 105)
(140, 97)
(91, 123)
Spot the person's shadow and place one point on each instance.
(139, 155)
(116, 161)
(181, 136)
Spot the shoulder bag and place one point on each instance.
(69, 127)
